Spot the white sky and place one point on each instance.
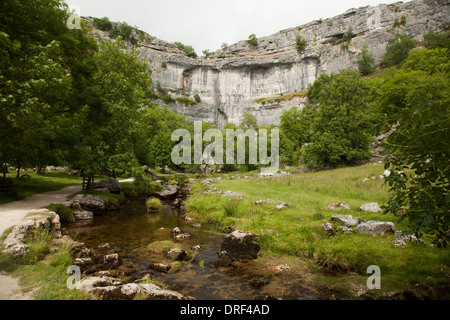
(206, 24)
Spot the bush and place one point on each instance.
(301, 43)
(397, 50)
(365, 61)
(197, 98)
(103, 24)
(252, 40)
(189, 50)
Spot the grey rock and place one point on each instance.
(370, 207)
(111, 184)
(228, 193)
(327, 227)
(111, 261)
(402, 239)
(348, 220)
(375, 228)
(168, 192)
(339, 206)
(88, 202)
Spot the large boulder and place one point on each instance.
(88, 202)
(375, 228)
(239, 245)
(111, 184)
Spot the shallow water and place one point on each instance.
(132, 229)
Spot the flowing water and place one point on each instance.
(132, 229)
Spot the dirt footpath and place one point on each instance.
(13, 212)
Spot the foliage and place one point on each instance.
(189, 50)
(435, 40)
(197, 98)
(301, 43)
(252, 40)
(340, 133)
(103, 24)
(397, 50)
(365, 61)
(419, 183)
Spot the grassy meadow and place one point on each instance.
(297, 231)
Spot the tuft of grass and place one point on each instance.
(153, 204)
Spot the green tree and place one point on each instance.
(419, 182)
(341, 130)
(435, 40)
(365, 61)
(397, 50)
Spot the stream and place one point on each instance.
(132, 229)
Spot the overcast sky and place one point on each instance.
(206, 24)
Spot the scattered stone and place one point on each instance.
(179, 235)
(348, 220)
(266, 201)
(176, 254)
(402, 239)
(375, 228)
(339, 206)
(196, 248)
(89, 283)
(111, 261)
(188, 219)
(370, 207)
(328, 228)
(281, 206)
(161, 267)
(228, 193)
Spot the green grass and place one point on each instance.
(297, 231)
(41, 273)
(34, 183)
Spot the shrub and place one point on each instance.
(163, 64)
(189, 50)
(365, 61)
(397, 50)
(301, 43)
(103, 24)
(252, 40)
(197, 98)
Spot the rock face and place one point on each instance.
(239, 245)
(231, 80)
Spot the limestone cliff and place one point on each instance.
(234, 80)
